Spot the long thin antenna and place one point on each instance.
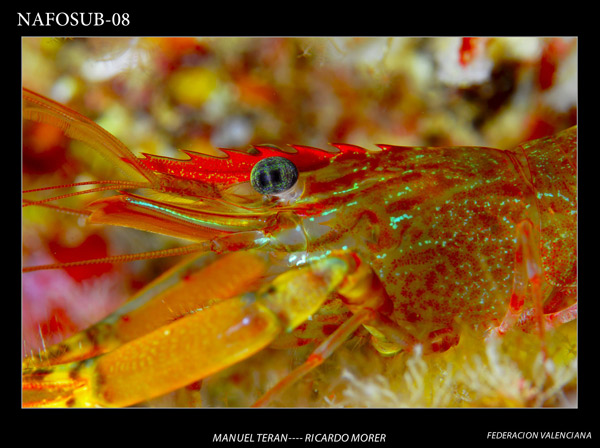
(117, 183)
(108, 185)
(228, 243)
(163, 253)
(61, 209)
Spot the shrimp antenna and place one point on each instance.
(233, 242)
(150, 255)
(108, 185)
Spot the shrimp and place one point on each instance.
(407, 244)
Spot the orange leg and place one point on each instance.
(190, 348)
(191, 285)
(363, 293)
(527, 281)
(550, 320)
(441, 340)
(183, 352)
(163, 360)
(317, 357)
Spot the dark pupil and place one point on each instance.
(263, 179)
(273, 175)
(270, 178)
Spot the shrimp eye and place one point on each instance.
(273, 175)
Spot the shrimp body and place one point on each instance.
(408, 243)
(438, 225)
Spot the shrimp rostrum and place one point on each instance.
(408, 244)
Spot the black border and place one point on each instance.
(401, 426)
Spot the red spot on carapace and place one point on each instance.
(441, 268)
(430, 280)
(516, 302)
(328, 329)
(302, 341)
(403, 205)
(511, 190)
(416, 235)
(518, 255)
(301, 327)
(411, 316)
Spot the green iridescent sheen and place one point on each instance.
(274, 175)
